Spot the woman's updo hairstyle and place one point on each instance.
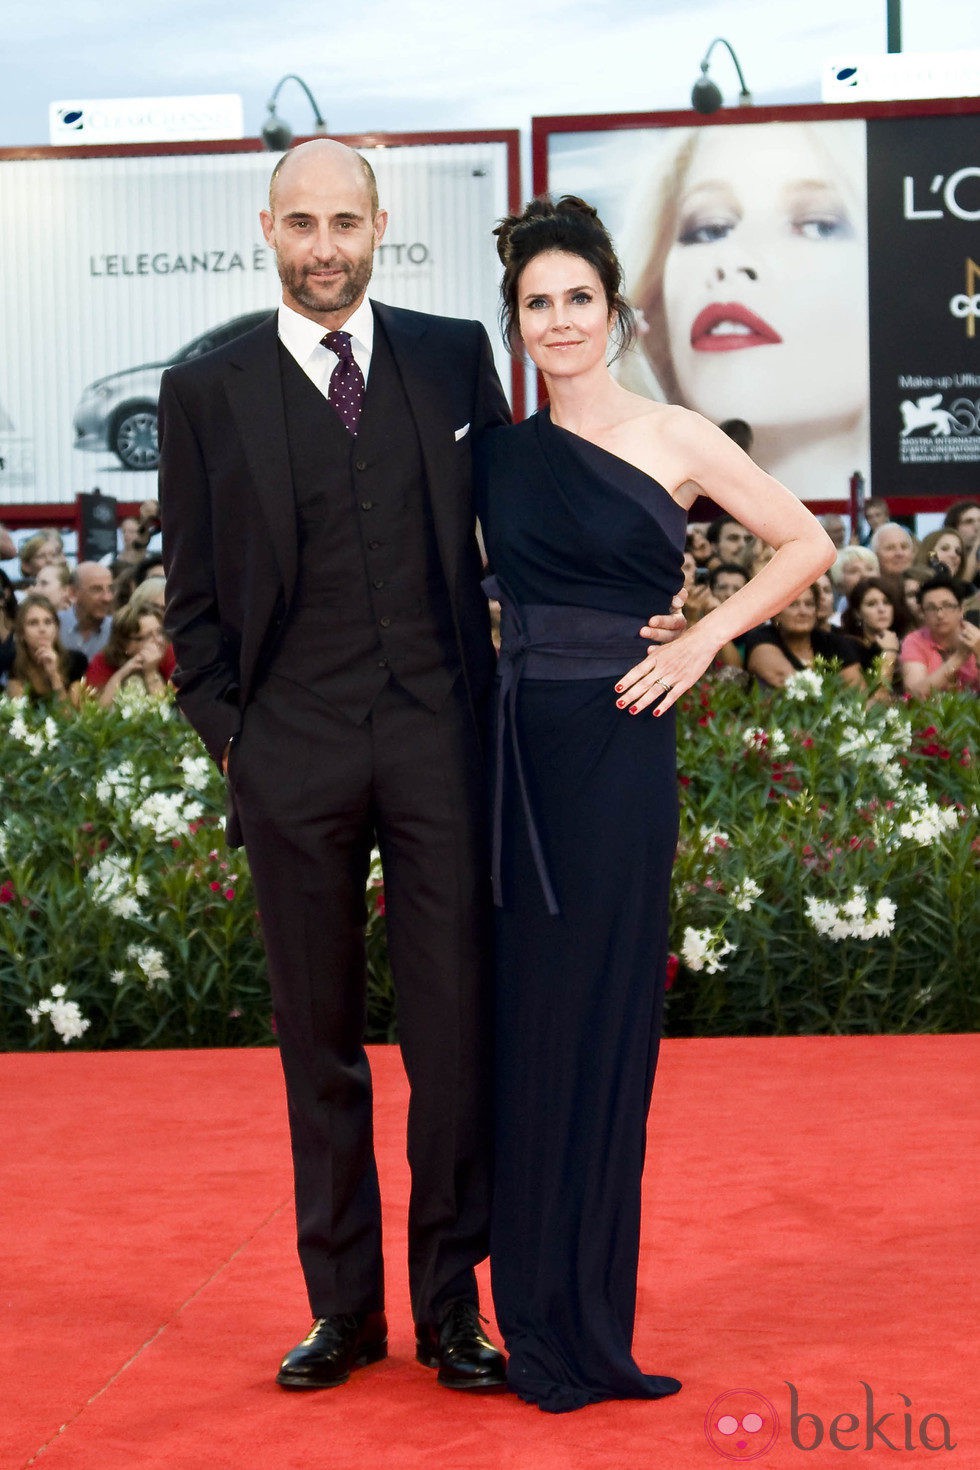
(574, 228)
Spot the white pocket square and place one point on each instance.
(461, 433)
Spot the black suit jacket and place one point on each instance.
(228, 510)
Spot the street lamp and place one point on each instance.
(705, 96)
(277, 134)
(893, 23)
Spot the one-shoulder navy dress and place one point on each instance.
(583, 548)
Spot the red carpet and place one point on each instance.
(810, 1219)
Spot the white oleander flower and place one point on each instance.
(869, 745)
(165, 814)
(197, 770)
(114, 885)
(117, 977)
(772, 740)
(120, 784)
(133, 699)
(712, 839)
(744, 894)
(804, 684)
(928, 824)
(65, 1015)
(150, 961)
(20, 731)
(68, 1021)
(702, 949)
(856, 918)
(901, 728)
(124, 906)
(109, 876)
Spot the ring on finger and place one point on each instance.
(666, 686)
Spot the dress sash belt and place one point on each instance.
(543, 641)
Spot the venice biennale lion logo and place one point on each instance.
(925, 413)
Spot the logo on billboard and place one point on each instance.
(875, 77)
(925, 413)
(145, 119)
(966, 306)
(931, 433)
(950, 192)
(71, 119)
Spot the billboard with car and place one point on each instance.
(115, 267)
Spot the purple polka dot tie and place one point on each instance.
(346, 392)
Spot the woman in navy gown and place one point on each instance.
(583, 509)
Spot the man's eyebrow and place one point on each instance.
(342, 214)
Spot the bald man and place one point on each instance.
(87, 622)
(333, 652)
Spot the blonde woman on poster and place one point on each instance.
(746, 255)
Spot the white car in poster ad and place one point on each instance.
(119, 412)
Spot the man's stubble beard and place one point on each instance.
(333, 298)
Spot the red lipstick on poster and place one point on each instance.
(727, 326)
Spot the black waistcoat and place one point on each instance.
(370, 601)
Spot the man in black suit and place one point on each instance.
(334, 654)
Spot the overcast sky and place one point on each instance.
(420, 65)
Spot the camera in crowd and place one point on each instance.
(149, 525)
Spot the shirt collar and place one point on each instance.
(301, 335)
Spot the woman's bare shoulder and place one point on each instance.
(667, 422)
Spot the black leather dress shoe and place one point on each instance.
(333, 1346)
(461, 1350)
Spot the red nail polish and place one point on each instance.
(633, 709)
(620, 703)
(619, 688)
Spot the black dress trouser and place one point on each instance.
(314, 792)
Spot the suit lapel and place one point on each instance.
(254, 387)
(422, 367)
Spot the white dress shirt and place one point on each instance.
(302, 339)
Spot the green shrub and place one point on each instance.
(825, 878)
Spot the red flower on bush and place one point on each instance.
(7, 892)
(673, 965)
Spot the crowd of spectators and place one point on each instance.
(92, 631)
(896, 614)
